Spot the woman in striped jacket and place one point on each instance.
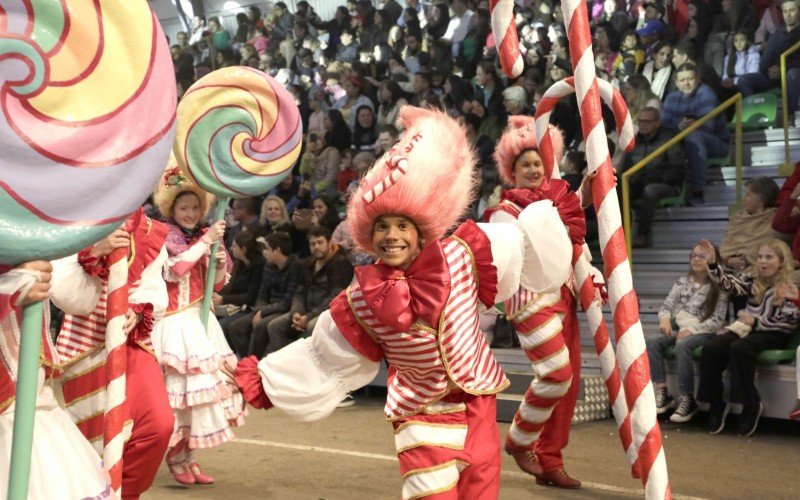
(770, 317)
(417, 308)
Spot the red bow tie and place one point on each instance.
(397, 298)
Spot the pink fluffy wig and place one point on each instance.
(519, 136)
(428, 177)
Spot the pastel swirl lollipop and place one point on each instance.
(239, 132)
(88, 108)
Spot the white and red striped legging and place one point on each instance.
(547, 327)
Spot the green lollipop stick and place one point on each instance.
(209, 290)
(25, 409)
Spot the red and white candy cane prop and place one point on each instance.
(506, 40)
(583, 269)
(651, 462)
(114, 432)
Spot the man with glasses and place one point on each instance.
(661, 178)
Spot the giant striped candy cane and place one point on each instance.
(583, 268)
(506, 40)
(651, 462)
(114, 436)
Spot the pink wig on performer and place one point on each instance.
(428, 177)
(520, 136)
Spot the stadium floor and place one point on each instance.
(351, 458)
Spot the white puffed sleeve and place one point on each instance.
(508, 248)
(548, 251)
(152, 288)
(309, 377)
(72, 289)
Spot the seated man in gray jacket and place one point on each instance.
(661, 178)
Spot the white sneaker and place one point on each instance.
(347, 401)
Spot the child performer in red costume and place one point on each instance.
(63, 463)
(203, 398)
(546, 323)
(79, 289)
(418, 309)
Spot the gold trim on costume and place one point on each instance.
(429, 424)
(80, 357)
(360, 321)
(449, 446)
(86, 396)
(93, 415)
(472, 261)
(434, 468)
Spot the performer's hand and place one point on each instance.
(215, 232)
(41, 289)
(222, 259)
(586, 188)
(683, 333)
(131, 320)
(665, 326)
(118, 239)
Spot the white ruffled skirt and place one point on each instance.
(63, 463)
(204, 400)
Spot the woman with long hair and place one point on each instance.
(438, 19)
(337, 133)
(658, 70)
(242, 290)
(457, 91)
(736, 15)
(365, 133)
(771, 316)
(638, 96)
(390, 98)
(690, 316)
(471, 49)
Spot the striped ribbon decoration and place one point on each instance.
(651, 461)
(116, 365)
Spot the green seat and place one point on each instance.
(722, 161)
(759, 111)
(677, 200)
(785, 355)
(670, 352)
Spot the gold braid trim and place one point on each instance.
(472, 262)
(360, 321)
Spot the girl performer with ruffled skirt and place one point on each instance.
(63, 463)
(205, 401)
(417, 308)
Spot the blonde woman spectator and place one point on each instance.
(638, 95)
(274, 214)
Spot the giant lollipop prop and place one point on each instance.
(651, 462)
(239, 133)
(88, 101)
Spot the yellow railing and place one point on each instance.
(626, 189)
(787, 162)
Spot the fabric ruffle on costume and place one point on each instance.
(205, 401)
(63, 463)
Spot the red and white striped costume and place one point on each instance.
(547, 326)
(442, 378)
(63, 463)
(191, 355)
(79, 289)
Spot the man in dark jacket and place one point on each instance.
(323, 275)
(661, 178)
(247, 335)
(769, 69)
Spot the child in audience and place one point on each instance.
(630, 58)
(741, 59)
(770, 317)
(692, 312)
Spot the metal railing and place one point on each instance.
(626, 195)
(787, 164)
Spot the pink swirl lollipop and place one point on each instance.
(239, 132)
(88, 108)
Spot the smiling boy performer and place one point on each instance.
(546, 323)
(418, 308)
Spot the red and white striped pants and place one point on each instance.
(451, 450)
(549, 335)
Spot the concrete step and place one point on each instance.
(655, 283)
(710, 212)
(686, 234)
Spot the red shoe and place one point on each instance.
(559, 479)
(526, 460)
(184, 476)
(200, 477)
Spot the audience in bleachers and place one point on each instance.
(752, 225)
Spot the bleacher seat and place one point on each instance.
(767, 357)
(759, 111)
